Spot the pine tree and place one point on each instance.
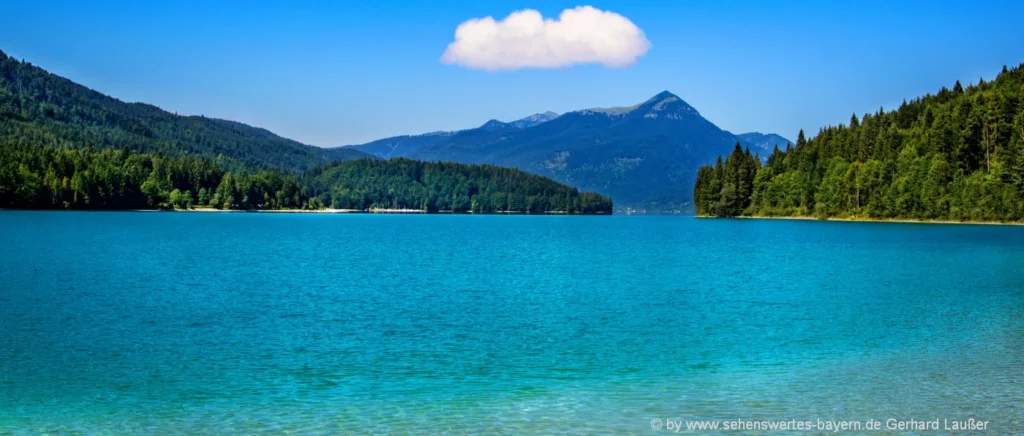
(958, 154)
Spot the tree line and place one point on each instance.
(402, 183)
(40, 177)
(955, 155)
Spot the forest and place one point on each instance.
(444, 186)
(65, 146)
(957, 155)
(40, 108)
(40, 177)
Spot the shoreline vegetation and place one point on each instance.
(36, 177)
(868, 220)
(953, 157)
(323, 211)
(351, 211)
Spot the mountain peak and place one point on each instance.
(493, 125)
(669, 104)
(663, 95)
(534, 119)
(664, 104)
(539, 117)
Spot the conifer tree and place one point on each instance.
(958, 154)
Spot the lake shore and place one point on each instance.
(210, 209)
(372, 210)
(875, 220)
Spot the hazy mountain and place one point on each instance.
(40, 108)
(406, 145)
(534, 120)
(763, 143)
(643, 156)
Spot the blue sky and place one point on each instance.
(338, 72)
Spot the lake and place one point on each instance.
(170, 323)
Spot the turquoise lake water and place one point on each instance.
(174, 323)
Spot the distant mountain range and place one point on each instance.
(763, 143)
(40, 108)
(644, 156)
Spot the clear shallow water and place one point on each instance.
(185, 323)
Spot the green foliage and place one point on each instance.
(726, 190)
(39, 108)
(956, 155)
(445, 186)
(37, 177)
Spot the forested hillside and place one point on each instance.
(444, 186)
(955, 155)
(39, 108)
(64, 146)
(40, 177)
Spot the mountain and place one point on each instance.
(40, 108)
(521, 123)
(955, 155)
(763, 143)
(406, 145)
(643, 156)
(534, 120)
(65, 146)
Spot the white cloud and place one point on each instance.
(525, 39)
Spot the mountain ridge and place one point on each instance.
(645, 156)
(60, 112)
